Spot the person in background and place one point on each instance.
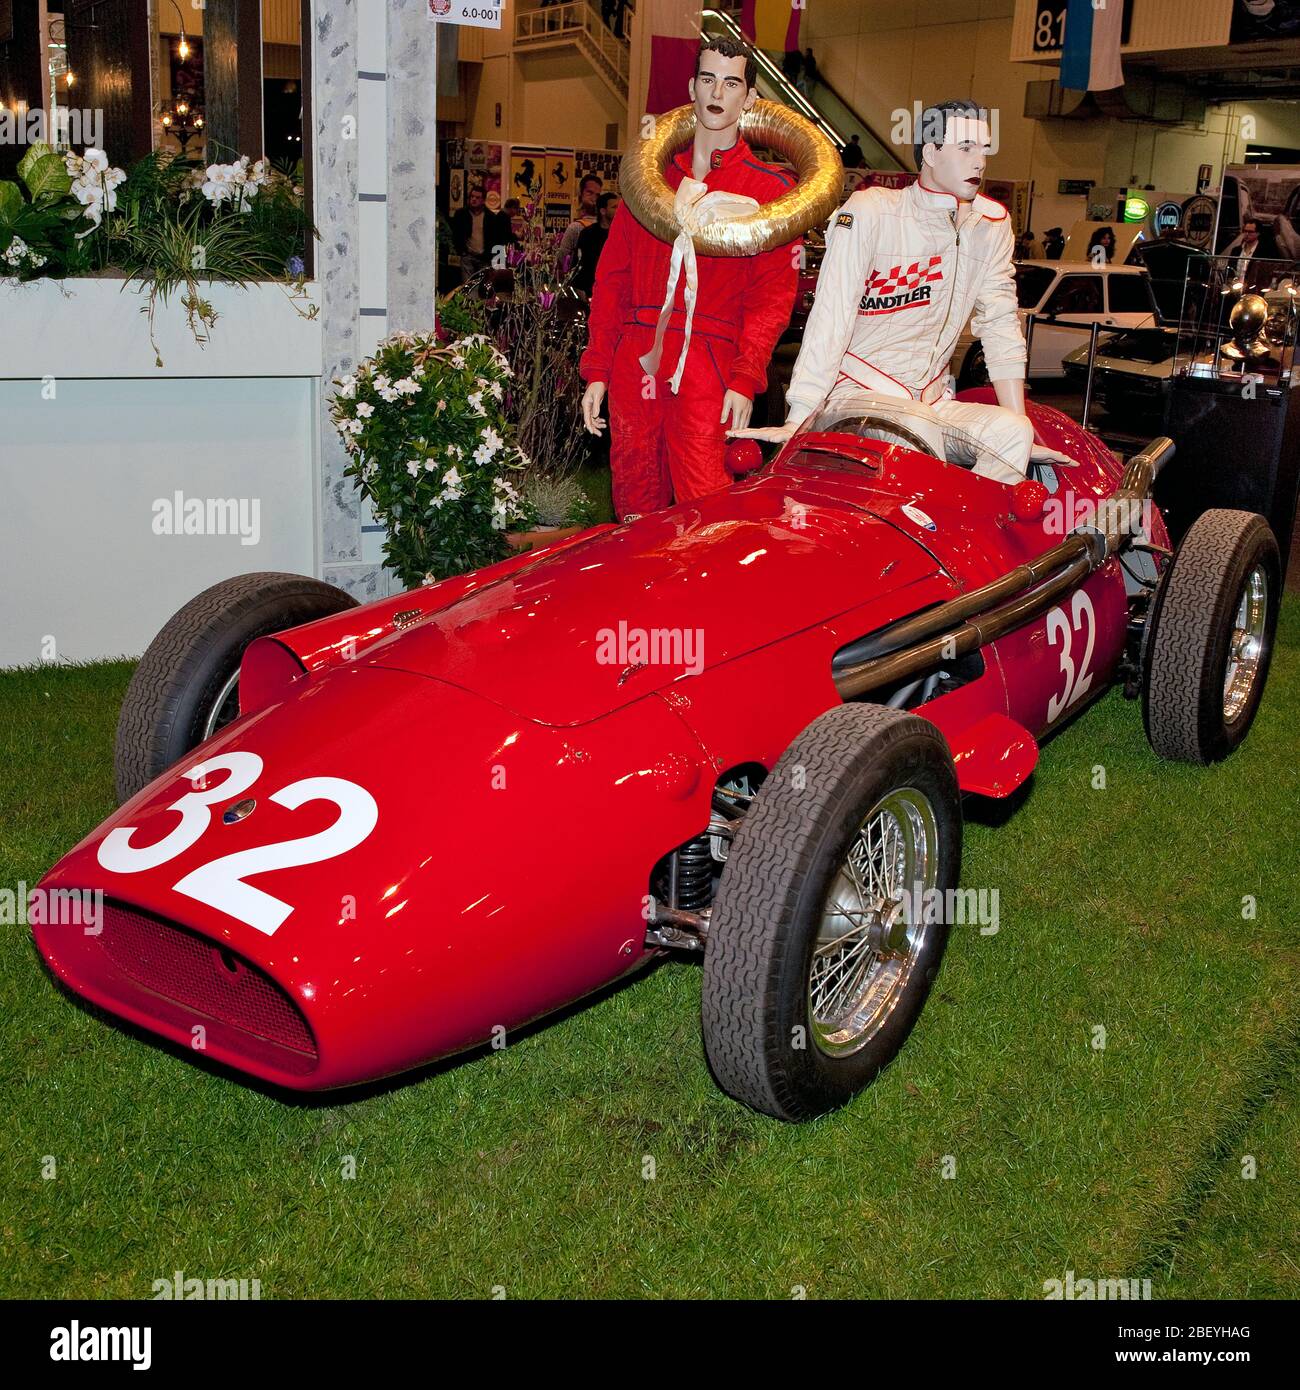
(792, 65)
(588, 192)
(591, 242)
(512, 209)
(476, 232)
(1027, 248)
(851, 155)
(1053, 243)
(1243, 247)
(810, 73)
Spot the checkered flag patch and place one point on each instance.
(897, 278)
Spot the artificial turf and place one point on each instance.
(528, 1170)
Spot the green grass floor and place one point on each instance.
(1120, 908)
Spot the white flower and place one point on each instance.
(457, 450)
(388, 393)
(457, 361)
(442, 405)
(348, 387)
(352, 426)
(451, 478)
(495, 388)
(408, 386)
(493, 440)
(96, 160)
(475, 399)
(413, 467)
(430, 465)
(380, 381)
(365, 409)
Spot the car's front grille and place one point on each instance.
(211, 980)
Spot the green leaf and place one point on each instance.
(47, 178)
(37, 150)
(11, 200)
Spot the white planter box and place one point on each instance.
(95, 328)
(95, 439)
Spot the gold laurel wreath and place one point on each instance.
(766, 124)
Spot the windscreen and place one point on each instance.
(907, 424)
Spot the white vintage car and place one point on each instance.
(1066, 298)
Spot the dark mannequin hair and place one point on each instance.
(730, 48)
(934, 123)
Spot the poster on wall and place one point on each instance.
(1016, 195)
(559, 190)
(527, 173)
(1270, 196)
(455, 189)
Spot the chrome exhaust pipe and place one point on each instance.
(914, 646)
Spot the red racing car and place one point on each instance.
(356, 839)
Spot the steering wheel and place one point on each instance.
(854, 424)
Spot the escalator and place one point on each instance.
(823, 106)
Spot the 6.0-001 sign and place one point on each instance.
(485, 14)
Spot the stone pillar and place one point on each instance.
(374, 140)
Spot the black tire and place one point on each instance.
(759, 1029)
(1191, 638)
(198, 650)
(974, 370)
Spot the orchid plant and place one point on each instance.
(424, 424)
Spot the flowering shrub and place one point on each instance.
(430, 445)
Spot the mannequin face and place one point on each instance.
(718, 91)
(957, 166)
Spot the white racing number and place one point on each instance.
(220, 882)
(1061, 631)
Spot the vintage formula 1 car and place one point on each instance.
(356, 839)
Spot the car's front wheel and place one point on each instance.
(830, 919)
(1211, 637)
(186, 686)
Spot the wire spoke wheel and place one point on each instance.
(1247, 644)
(874, 923)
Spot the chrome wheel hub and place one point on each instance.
(1247, 644)
(876, 917)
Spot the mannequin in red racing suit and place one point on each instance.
(667, 443)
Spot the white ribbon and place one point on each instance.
(695, 206)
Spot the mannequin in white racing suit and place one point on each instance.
(903, 272)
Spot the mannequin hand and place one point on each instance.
(739, 406)
(771, 434)
(591, 401)
(1040, 453)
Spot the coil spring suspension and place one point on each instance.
(694, 875)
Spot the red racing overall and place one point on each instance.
(664, 445)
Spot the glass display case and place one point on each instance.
(1238, 322)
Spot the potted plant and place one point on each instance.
(424, 421)
(560, 506)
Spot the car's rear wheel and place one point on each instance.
(186, 686)
(1211, 639)
(974, 370)
(829, 922)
